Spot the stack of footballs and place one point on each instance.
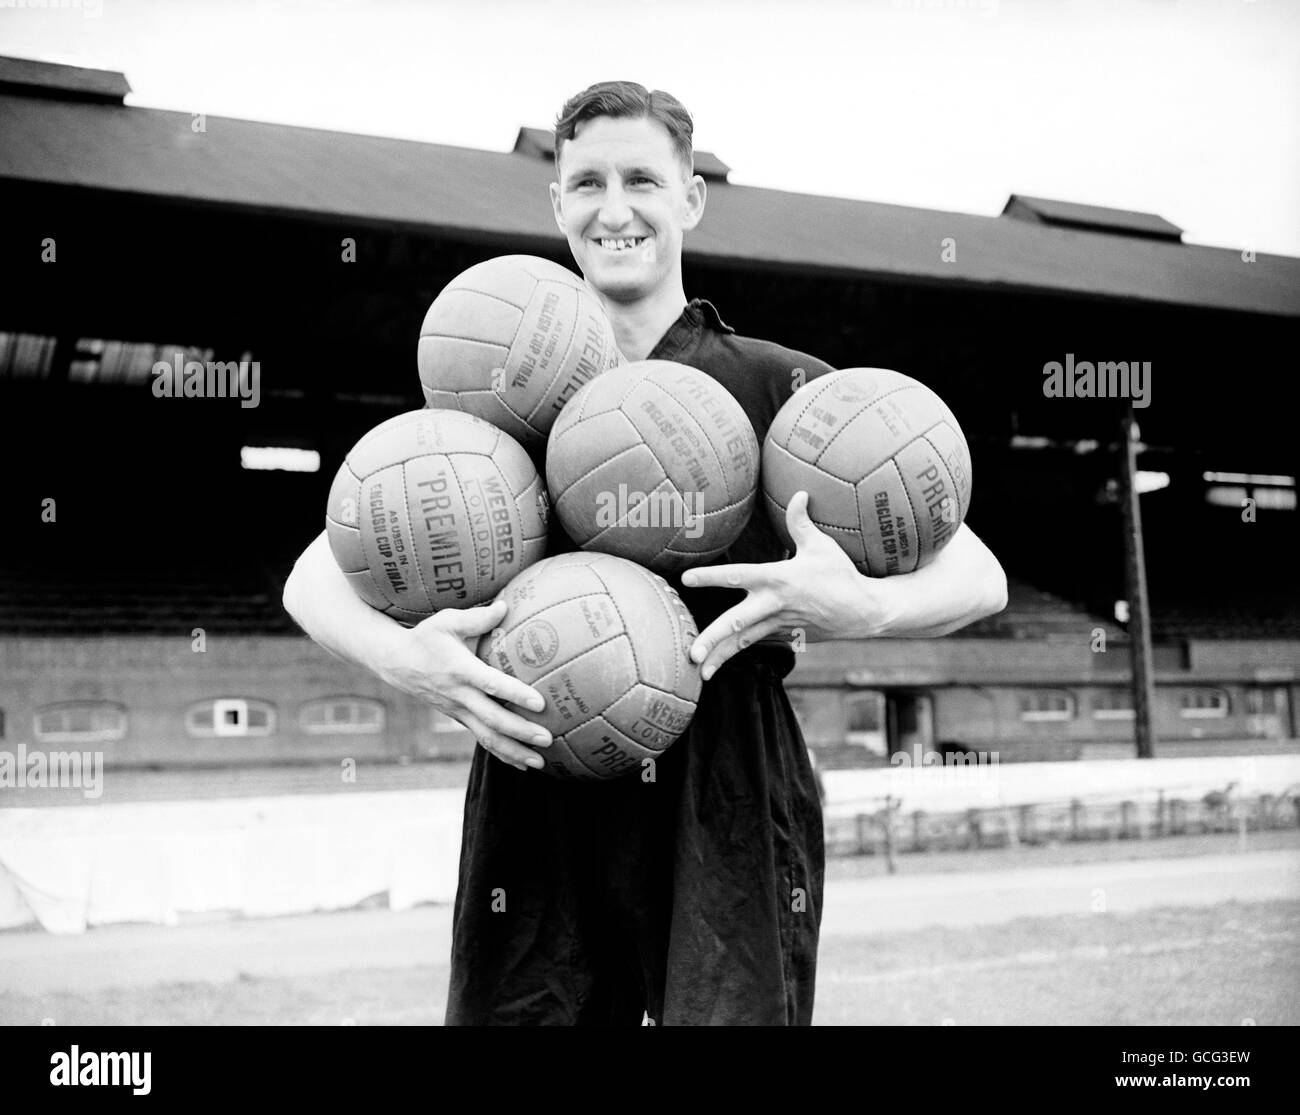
(652, 467)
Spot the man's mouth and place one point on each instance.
(622, 243)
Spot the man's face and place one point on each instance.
(623, 201)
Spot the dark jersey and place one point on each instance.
(695, 897)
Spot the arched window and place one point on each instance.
(1203, 704)
(1047, 704)
(342, 716)
(230, 717)
(80, 722)
(1113, 704)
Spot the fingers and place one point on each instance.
(501, 686)
(502, 721)
(753, 610)
(739, 575)
(734, 644)
(507, 750)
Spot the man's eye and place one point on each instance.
(588, 182)
(642, 178)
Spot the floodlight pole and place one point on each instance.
(1135, 589)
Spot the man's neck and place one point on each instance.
(640, 325)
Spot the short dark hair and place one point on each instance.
(628, 100)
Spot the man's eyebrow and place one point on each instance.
(627, 171)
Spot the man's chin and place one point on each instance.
(619, 288)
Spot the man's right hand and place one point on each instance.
(434, 660)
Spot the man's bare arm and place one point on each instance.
(820, 593)
(434, 660)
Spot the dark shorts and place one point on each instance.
(695, 898)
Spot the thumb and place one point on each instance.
(801, 528)
(469, 622)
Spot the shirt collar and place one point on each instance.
(708, 314)
(699, 314)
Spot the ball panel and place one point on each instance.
(509, 279)
(534, 550)
(888, 536)
(933, 496)
(536, 587)
(534, 508)
(416, 433)
(951, 446)
(605, 493)
(459, 363)
(584, 686)
(849, 538)
(606, 392)
(363, 584)
(440, 533)
(593, 351)
(343, 505)
(831, 501)
(441, 400)
(597, 750)
(560, 633)
(402, 615)
(345, 545)
(663, 625)
(542, 346)
(866, 440)
(680, 444)
(497, 531)
(573, 451)
(536, 267)
(650, 717)
(801, 426)
(718, 420)
(490, 408)
(637, 525)
(386, 539)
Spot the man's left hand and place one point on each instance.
(818, 592)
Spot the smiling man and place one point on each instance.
(694, 898)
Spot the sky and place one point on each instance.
(1185, 108)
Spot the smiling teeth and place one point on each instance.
(622, 243)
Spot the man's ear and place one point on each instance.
(696, 193)
(555, 204)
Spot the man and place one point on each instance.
(694, 896)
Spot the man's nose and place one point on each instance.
(615, 211)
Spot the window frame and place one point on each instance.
(95, 735)
(1218, 711)
(1048, 716)
(246, 731)
(1122, 712)
(348, 728)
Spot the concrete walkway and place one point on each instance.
(35, 962)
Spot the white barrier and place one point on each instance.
(71, 867)
(950, 789)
